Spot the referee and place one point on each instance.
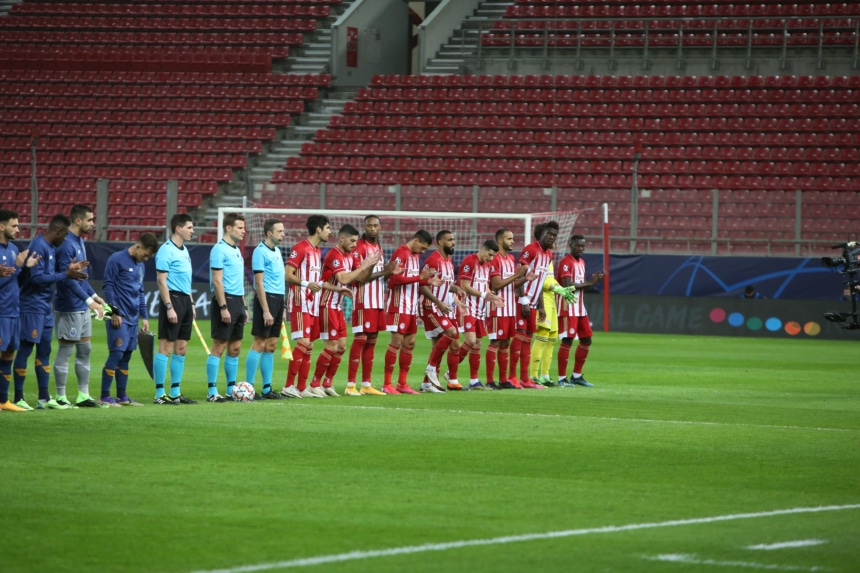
(176, 310)
(228, 317)
(269, 308)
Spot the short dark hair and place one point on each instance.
(6, 214)
(348, 230)
(369, 217)
(179, 220)
(442, 233)
(231, 218)
(539, 231)
(59, 221)
(269, 225)
(315, 222)
(78, 212)
(574, 238)
(551, 225)
(500, 233)
(491, 245)
(423, 236)
(148, 242)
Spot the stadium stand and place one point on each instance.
(179, 91)
(753, 140)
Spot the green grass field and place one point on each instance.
(688, 451)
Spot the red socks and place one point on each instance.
(579, 358)
(564, 357)
(490, 362)
(355, 355)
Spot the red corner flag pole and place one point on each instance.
(606, 267)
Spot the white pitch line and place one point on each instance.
(787, 544)
(358, 555)
(599, 418)
(693, 560)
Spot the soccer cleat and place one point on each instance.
(291, 392)
(24, 405)
(531, 385)
(270, 395)
(493, 386)
(165, 400)
(455, 386)
(562, 382)
(581, 382)
(109, 402)
(63, 401)
(330, 391)
(371, 391)
(403, 389)
(52, 405)
(352, 391)
(479, 386)
(10, 407)
(85, 401)
(430, 373)
(544, 381)
(318, 391)
(183, 400)
(311, 392)
(516, 383)
(126, 401)
(388, 389)
(216, 398)
(429, 388)
(509, 385)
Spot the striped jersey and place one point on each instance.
(538, 261)
(573, 269)
(372, 294)
(403, 288)
(336, 262)
(504, 267)
(306, 259)
(478, 275)
(445, 272)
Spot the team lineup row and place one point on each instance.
(493, 295)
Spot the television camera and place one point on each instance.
(849, 265)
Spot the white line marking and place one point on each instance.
(356, 555)
(600, 418)
(693, 560)
(788, 544)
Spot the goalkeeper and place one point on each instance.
(547, 330)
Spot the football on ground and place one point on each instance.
(243, 392)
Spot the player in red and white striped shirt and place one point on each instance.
(302, 273)
(337, 272)
(403, 309)
(475, 284)
(368, 312)
(536, 257)
(505, 278)
(573, 318)
(439, 315)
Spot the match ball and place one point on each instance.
(243, 392)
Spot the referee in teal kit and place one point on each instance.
(229, 315)
(176, 311)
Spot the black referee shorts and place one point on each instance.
(276, 307)
(234, 329)
(184, 314)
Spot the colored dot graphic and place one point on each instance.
(771, 324)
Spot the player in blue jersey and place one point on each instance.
(229, 315)
(270, 309)
(123, 288)
(176, 312)
(72, 305)
(36, 327)
(11, 262)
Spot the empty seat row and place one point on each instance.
(176, 10)
(159, 80)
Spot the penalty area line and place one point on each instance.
(410, 549)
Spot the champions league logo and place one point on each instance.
(466, 268)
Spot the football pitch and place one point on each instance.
(689, 454)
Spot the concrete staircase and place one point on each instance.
(461, 50)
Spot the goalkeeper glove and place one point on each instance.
(107, 311)
(567, 293)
